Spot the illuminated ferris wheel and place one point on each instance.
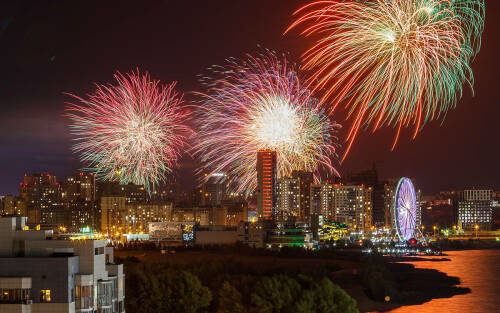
(405, 209)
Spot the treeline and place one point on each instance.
(228, 286)
(338, 252)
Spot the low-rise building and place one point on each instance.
(251, 234)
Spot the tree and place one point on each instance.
(330, 298)
(183, 292)
(230, 300)
(275, 293)
(142, 290)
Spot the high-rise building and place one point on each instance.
(322, 200)
(113, 210)
(194, 198)
(139, 215)
(78, 196)
(288, 202)
(118, 216)
(350, 206)
(495, 224)
(475, 208)
(369, 178)
(305, 181)
(134, 193)
(368, 212)
(266, 184)
(131, 192)
(10, 204)
(167, 192)
(79, 187)
(214, 190)
(43, 196)
(378, 210)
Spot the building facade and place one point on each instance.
(266, 184)
(349, 204)
(119, 217)
(226, 215)
(112, 214)
(10, 204)
(43, 196)
(288, 198)
(475, 209)
(78, 196)
(322, 200)
(305, 181)
(214, 190)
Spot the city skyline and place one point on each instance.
(315, 156)
(55, 58)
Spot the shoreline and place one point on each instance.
(416, 285)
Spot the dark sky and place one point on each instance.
(49, 47)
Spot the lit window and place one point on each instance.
(45, 295)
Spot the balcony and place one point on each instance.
(104, 295)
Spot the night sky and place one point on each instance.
(51, 47)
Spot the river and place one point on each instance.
(478, 270)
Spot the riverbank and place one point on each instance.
(466, 244)
(403, 283)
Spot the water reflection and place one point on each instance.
(478, 270)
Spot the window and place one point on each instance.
(83, 297)
(45, 295)
(98, 251)
(16, 295)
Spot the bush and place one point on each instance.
(377, 280)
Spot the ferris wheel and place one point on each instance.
(405, 209)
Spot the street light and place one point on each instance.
(435, 228)
(476, 227)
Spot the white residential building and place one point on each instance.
(40, 274)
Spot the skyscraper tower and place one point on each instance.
(266, 184)
(288, 198)
(42, 194)
(305, 179)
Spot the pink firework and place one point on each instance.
(260, 103)
(130, 132)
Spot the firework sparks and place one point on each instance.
(398, 63)
(129, 132)
(255, 104)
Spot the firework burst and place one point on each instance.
(129, 132)
(255, 104)
(398, 63)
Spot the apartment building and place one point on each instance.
(41, 274)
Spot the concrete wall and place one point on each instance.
(15, 282)
(53, 273)
(7, 229)
(53, 307)
(15, 308)
(216, 237)
(85, 249)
